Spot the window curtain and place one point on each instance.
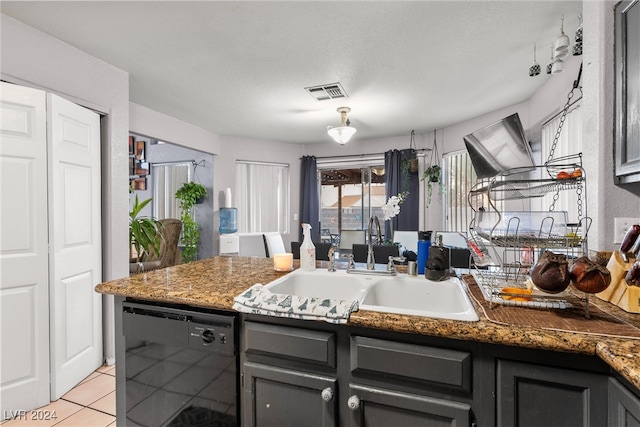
(262, 197)
(397, 180)
(309, 197)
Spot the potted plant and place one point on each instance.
(432, 175)
(189, 195)
(144, 235)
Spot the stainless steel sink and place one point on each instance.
(401, 294)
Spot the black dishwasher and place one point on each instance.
(181, 366)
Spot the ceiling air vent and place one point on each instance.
(324, 92)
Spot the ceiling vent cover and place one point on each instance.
(328, 91)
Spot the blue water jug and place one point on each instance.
(424, 244)
(228, 220)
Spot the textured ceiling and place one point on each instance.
(240, 68)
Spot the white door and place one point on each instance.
(75, 241)
(24, 274)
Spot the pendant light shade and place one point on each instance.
(562, 43)
(343, 133)
(534, 70)
(558, 67)
(550, 64)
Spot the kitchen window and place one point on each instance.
(569, 143)
(459, 177)
(262, 197)
(351, 191)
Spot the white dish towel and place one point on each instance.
(258, 300)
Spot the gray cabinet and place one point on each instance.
(537, 395)
(380, 407)
(288, 376)
(387, 364)
(295, 375)
(627, 76)
(624, 406)
(309, 373)
(283, 397)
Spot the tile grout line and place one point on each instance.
(88, 406)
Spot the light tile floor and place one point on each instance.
(92, 403)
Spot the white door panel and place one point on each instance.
(24, 274)
(76, 309)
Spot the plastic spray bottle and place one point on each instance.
(307, 250)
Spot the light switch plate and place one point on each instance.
(621, 226)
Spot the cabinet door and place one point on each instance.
(624, 407)
(280, 397)
(536, 395)
(372, 407)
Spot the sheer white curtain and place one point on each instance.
(262, 197)
(167, 179)
(569, 143)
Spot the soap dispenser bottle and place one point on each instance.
(307, 250)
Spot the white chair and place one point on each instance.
(407, 239)
(274, 244)
(251, 244)
(349, 237)
(452, 239)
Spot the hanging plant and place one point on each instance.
(189, 194)
(433, 174)
(412, 167)
(405, 167)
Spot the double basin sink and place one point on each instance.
(401, 294)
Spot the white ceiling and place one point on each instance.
(240, 68)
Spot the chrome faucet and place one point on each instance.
(371, 261)
(332, 258)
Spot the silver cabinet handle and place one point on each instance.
(327, 394)
(354, 403)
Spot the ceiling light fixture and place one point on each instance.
(534, 70)
(343, 133)
(562, 44)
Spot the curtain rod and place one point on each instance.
(177, 162)
(254, 162)
(362, 156)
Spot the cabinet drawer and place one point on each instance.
(315, 347)
(423, 363)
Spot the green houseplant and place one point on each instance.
(144, 235)
(432, 175)
(189, 195)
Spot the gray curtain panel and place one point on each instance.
(309, 198)
(396, 183)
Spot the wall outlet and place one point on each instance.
(621, 226)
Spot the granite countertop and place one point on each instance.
(214, 282)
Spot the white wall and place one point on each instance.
(146, 121)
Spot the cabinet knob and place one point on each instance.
(354, 403)
(327, 394)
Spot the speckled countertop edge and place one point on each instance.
(214, 282)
